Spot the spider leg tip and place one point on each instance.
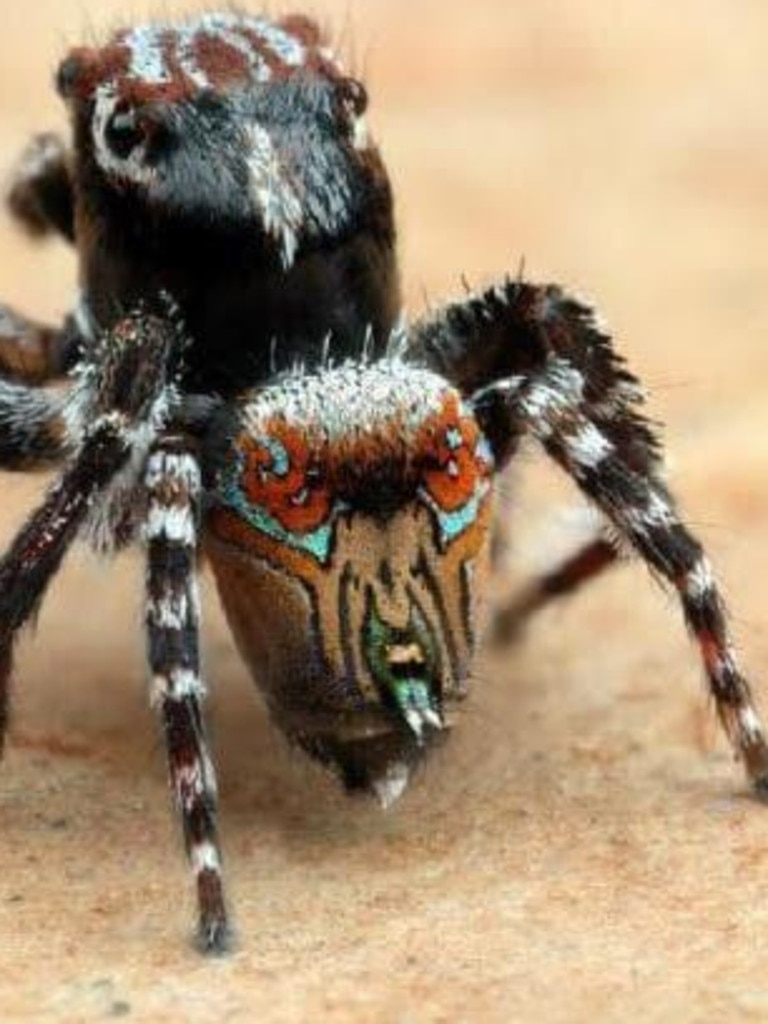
(756, 764)
(214, 938)
(760, 789)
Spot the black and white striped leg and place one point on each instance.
(122, 402)
(534, 360)
(640, 507)
(513, 331)
(35, 353)
(37, 552)
(583, 565)
(33, 431)
(173, 484)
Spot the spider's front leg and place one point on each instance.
(173, 613)
(119, 403)
(40, 195)
(33, 352)
(33, 429)
(535, 361)
(40, 198)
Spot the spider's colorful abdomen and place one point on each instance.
(351, 522)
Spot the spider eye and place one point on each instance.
(68, 76)
(123, 134)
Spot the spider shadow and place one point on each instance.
(267, 786)
(267, 783)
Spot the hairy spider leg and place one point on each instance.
(37, 552)
(640, 506)
(579, 568)
(541, 364)
(510, 330)
(40, 196)
(172, 620)
(41, 199)
(120, 410)
(32, 427)
(36, 353)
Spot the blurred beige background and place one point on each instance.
(583, 849)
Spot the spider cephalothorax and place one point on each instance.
(229, 156)
(232, 219)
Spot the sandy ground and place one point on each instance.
(584, 848)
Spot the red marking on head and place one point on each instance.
(178, 88)
(190, 52)
(302, 28)
(85, 69)
(303, 31)
(222, 63)
(452, 467)
(296, 495)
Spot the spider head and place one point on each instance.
(230, 121)
(349, 537)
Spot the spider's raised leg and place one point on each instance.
(33, 432)
(122, 399)
(35, 353)
(588, 562)
(173, 484)
(536, 362)
(40, 196)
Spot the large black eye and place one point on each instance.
(123, 133)
(68, 76)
